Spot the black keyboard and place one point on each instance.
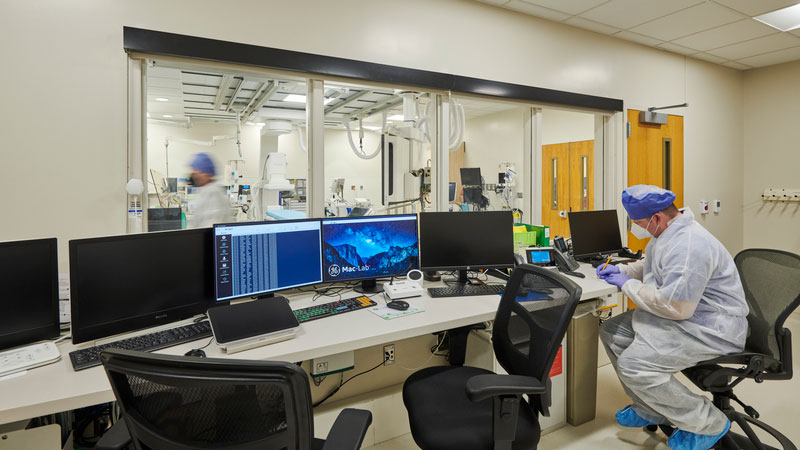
(90, 357)
(333, 308)
(464, 290)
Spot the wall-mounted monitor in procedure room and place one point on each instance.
(257, 258)
(29, 302)
(123, 283)
(366, 248)
(471, 176)
(594, 233)
(466, 241)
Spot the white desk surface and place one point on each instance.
(56, 387)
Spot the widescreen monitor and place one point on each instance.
(466, 241)
(29, 303)
(123, 283)
(594, 233)
(257, 258)
(366, 248)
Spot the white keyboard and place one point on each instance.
(24, 358)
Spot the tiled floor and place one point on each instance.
(777, 401)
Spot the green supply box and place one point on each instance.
(532, 235)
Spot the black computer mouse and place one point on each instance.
(196, 352)
(398, 305)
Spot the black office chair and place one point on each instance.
(468, 408)
(771, 280)
(186, 403)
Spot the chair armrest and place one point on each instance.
(348, 430)
(481, 387)
(115, 438)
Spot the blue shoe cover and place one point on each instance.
(684, 440)
(627, 417)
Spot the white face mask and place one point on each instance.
(639, 232)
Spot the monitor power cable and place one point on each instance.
(342, 383)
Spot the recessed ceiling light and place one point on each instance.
(396, 117)
(167, 116)
(148, 114)
(295, 98)
(162, 99)
(783, 19)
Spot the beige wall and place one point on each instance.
(771, 155)
(566, 126)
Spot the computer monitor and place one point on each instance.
(451, 191)
(29, 303)
(594, 233)
(366, 248)
(466, 241)
(471, 176)
(257, 258)
(123, 283)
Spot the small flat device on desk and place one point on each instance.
(333, 308)
(28, 357)
(243, 326)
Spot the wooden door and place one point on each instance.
(655, 156)
(581, 175)
(555, 188)
(457, 158)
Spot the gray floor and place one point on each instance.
(778, 402)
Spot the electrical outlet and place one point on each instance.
(388, 354)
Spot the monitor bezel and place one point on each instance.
(587, 255)
(510, 264)
(262, 222)
(322, 255)
(44, 332)
(82, 333)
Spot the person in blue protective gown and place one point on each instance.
(690, 308)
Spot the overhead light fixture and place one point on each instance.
(785, 19)
(396, 117)
(162, 99)
(295, 98)
(148, 114)
(167, 116)
(367, 127)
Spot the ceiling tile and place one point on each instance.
(538, 11)
(768, 59)
(709, 57)
(688, 21)
(757, 46)
(736, 65)
(731, 33)
(756, 7)
(591, 25)
(570, 7)
(646, 40)
(625, 14)
(674, 48)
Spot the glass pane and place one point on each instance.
(666, 150)
(554, 200)
(222, 145)
(584, 183)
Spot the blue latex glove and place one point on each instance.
(617, 279)
(602, 273)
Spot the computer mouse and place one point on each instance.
(196, 352)
(398, 305)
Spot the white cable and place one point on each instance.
(360, 153)
(461, 124)
(433, 353)
(300, 137)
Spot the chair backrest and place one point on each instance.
(771, 281)
(532, 318)
(183, 403)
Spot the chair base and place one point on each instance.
(736, 441)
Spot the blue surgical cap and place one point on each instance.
(643, 200)
(203, 163)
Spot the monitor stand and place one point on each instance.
(369, 287)
(464, 279)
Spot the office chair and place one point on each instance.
(771, 280)
(468, 408)
(185, 403)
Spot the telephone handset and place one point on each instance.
(564, 261)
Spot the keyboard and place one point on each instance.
(28, 357)
(333, 308)
(90, 357)
(465, 290)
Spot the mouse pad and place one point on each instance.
(388, 313)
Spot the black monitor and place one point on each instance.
(259, 258)
(471, 176)
(451, 191)
(466, 241)
(29, 303)
(124, 283)
(365, 248)
(594, 233)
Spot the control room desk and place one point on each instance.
(56, 387)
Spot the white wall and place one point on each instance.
(771, 155)
(566, 126)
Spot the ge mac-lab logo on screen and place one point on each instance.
(334, 270)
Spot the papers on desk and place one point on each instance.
(387, 313)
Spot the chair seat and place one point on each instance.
(442, 417)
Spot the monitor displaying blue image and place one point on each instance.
(360, 248)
